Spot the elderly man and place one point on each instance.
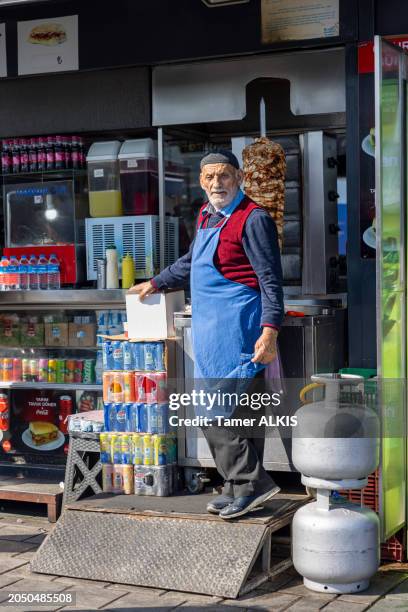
(234, 271)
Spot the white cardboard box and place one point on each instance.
(153, 317)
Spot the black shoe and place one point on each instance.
(243, 505)
(218, 503)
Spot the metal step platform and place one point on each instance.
(166, 542)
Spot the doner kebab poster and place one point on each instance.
(48, 45)
(299, 19)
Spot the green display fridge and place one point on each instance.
(391, 69)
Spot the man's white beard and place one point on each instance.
(219, 205)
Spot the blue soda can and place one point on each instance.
(109, 416)
(132, 417)
(143, 418)
(158, 418)
(149, 356)
(138, 355)
(107, 355)
(117, 355)
(159, 357)
(120, 424)
(127, 356)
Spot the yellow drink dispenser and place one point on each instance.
(105, 197)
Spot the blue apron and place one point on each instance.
(226, 319)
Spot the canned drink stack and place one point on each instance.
(128, 363)
(105, 446)
(137, 448)
(107, 477)
(107, 355)
(117, 354)
(25, 366)
(43, 370)
(126, 449)
(17, 371)
(149, 356)
(70, 371)
(138, 355)
(88, 372)
(159, 357)
(60, 370)
(129, 387)
(148, 450)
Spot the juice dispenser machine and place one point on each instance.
(139, 177)
(48, 217)
(105, 197)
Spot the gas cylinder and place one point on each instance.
(336, 438)
(335, 545)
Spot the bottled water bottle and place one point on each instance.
(42, 267)
(54, 275)
(99, 368)
(4, 276)
(13, 270)
(23, 272)
(33, 273)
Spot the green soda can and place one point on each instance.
(88, 372)
(60, 370)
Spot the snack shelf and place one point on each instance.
(4, 347)
(44, 385)
(69, 172)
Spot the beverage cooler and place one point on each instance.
(48, 218)
(50, 368)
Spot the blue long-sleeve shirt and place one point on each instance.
(260, 243)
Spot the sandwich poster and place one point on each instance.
(48, 45)
(38, 420)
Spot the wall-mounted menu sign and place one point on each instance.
(48, 45)
(3, 56)
(299, 19)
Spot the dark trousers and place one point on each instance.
(238, 455)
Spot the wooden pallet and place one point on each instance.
(35, 491)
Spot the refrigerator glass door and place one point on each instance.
(391, 203)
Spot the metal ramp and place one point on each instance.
(168, 543)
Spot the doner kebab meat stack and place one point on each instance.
(264, 178)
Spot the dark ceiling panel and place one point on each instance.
(75, 102)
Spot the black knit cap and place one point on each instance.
(220, 156)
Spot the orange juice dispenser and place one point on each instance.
(105, 196)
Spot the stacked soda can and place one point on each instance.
(122, 453)
(47, 370)
(136, 413)
(135, 385)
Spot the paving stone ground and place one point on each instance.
(20, 538)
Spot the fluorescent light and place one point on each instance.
(11, 2)
(213, 3)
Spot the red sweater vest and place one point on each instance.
(230, 258)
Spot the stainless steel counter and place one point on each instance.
(63, 298)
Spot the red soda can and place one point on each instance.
(65, 409)
(4, 412)
(156, 387)
(140, 387)
(79, 366)
(17, 369)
